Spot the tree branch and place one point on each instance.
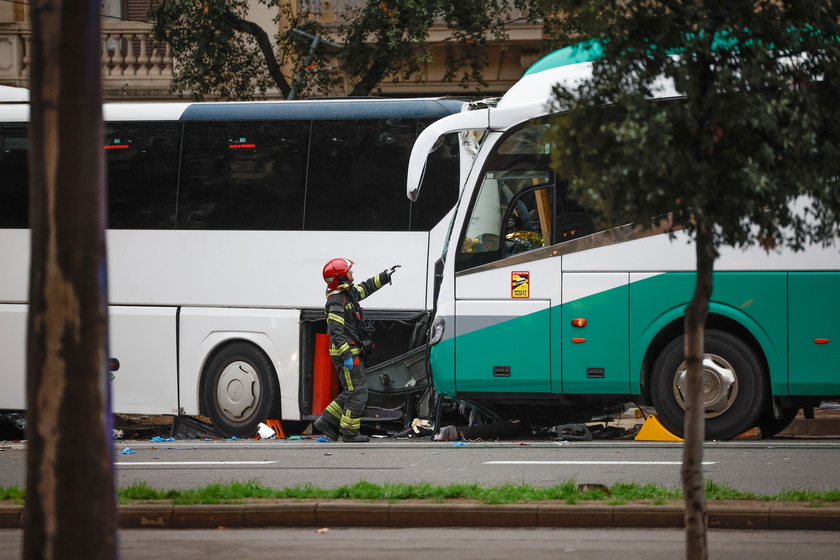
(267, 50)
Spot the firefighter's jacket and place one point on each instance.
(345, 322)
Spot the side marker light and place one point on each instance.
(578, 340)
(579, 322)
(821, 340)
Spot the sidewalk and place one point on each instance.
(734, 514)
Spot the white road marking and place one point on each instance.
(591, 462)
(167, 463)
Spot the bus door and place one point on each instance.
(503, 297)
(594, 328)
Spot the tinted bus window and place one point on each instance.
(142, 174)
(243, 175)
(14, 176)
(439, 190)
(357, 169)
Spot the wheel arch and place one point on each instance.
(721, 317)
(218, 341)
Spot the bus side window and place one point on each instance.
(243, 175)
(354, 172)
(141, 160)
(529, 221)
(572, 220)
(439, 190)
(14, 176)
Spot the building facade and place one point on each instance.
(133, 68)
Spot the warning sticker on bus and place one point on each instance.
(520, 284)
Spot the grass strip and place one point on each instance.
(569, 492)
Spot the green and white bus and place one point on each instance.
(542, 315)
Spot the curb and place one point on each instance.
(333, 514)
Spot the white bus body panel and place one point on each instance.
(151, 275)
(143, 339)
(663, 254)
(262, 269)
(13, 356)
(276, 331)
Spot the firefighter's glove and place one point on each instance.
(348, 363)
(391, 271)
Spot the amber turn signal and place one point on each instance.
(578, 322)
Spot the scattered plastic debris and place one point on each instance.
(572, 432)
(158, 439)
(127, 451)
(460, 444)
(118, 434)
(322, 440)
(447, 433)
(266, 432)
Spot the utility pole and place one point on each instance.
(316, 41)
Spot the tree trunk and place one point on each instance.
(371, 79)
(70, 503)
(696, 515)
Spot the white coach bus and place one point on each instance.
(220, 219)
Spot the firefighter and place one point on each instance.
(349, 344)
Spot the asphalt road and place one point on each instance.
(463, 544)
(761, 467)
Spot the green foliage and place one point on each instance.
(719, 491)
(568, 491)
(755, 128)
(218, 51)
(399, 48)
(13, 493)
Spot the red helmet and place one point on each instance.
(335, 272)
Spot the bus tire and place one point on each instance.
(240, 389)
(733, 385)
(770, 425)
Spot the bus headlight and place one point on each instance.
(438, 326)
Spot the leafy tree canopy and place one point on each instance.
(756, 126)
(219, 51)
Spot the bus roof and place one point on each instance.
(585, 51)
(328, 108)
(11, 94)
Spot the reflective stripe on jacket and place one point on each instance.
(344, 320)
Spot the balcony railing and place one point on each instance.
(329, 11)
(130, 61)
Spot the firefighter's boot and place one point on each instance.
(323, 426)
(354, 438)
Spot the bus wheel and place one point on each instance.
(240, 386)
(733, 386)
(770, 425)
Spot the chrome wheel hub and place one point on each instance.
(719, 383)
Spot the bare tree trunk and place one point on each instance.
(70, 504)
(696, 515)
